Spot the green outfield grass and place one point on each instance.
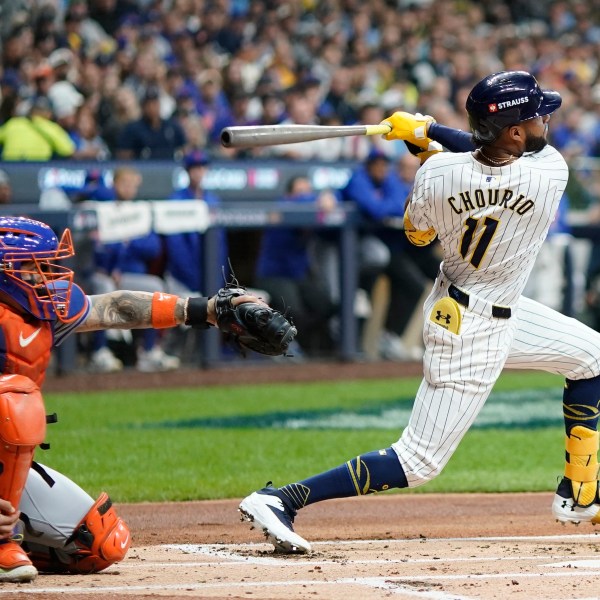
(223, 442)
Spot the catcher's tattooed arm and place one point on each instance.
(133, 310)
(124, 310)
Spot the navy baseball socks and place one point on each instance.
(273, 509)
(577, 498)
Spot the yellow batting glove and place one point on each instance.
(416, 236)
(409, 128)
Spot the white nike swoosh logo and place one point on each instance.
(274, 502)
(124, 542)
(26, 341)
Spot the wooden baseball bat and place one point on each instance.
(271, 135)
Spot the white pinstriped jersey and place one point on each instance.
(491, 221)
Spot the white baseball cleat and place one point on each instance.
(268, 511)
(566, 510)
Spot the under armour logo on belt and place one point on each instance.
(439, 316)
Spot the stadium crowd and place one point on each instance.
(159, 79)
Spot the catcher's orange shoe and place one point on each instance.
(15, 565)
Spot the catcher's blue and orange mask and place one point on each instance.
(30, 273)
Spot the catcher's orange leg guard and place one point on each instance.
(22, 428)
(102, 538)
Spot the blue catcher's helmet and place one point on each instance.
(29, 271)
(504, 99)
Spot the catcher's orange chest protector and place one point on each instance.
(25, 345)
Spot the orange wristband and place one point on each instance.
(163, 310)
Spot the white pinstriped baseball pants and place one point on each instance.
(461, 370)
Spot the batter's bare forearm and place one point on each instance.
(124, 310)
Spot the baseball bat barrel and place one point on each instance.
(248, 136)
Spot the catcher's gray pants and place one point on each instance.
(54, 506)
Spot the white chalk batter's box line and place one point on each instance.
(230, 552)
(392, 584)
(233, 560)
(389, 584)
(232, 556)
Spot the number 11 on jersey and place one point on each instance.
(477, 248)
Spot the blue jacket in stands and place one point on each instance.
(134, 256)
(284, 251)
(184, 260)
(379, 202)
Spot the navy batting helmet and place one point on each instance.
(504, 99)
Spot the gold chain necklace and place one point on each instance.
(495, 161)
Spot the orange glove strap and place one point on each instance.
(163, 310)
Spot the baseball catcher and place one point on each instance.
(47, 522)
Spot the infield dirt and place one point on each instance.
(407, 545)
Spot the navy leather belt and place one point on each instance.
(500, 312)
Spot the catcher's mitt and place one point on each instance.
(251, 324)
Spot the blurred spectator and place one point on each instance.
(151, 137)
(337, 100)
(273, 109)
(212, 105)
(9, 95)
(128, 265)
(239, 113)
(109, 14)
(184, 277)
(5, 188)
(63, 95)
(35, 137)
(42, 78)
(288, 272)
(195, 134)
(82, 34)
(122, 109)
(380, 193)
(88, 144)
(184, 257)
(45, 24)
(16, 45)
(572, 135)
(146, 79)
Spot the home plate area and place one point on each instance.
(546, 567)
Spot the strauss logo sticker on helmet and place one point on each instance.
(496, 106)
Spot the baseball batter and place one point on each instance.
(47, 522)
(491, 203)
